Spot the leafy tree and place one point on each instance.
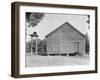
(34, 18)
(87, 43)
(28, 46)
(41, 45)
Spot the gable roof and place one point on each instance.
(61, 26)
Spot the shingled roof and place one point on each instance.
(61, 26)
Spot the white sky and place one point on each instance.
(52, 21)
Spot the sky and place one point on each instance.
(52, 21)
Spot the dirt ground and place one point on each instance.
(39, 61)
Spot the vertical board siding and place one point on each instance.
(64, 39)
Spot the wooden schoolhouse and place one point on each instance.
(65, 39)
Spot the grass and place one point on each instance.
(39, 61)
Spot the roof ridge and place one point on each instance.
(76, 29)
(61, 26)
